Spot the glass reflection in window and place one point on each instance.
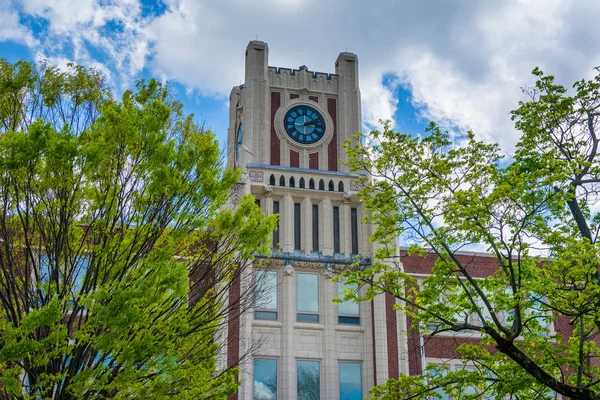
(348, 312)
(265, 379)
(266, 295)
(350, 381)
(307, 297)
(309, 380)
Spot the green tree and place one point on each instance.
(108, 208)
(537, 215)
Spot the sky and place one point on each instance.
(459, 63)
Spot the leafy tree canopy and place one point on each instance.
(108, 207)
(535, 212)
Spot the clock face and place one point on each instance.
(304, 124)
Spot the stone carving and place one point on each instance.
(328, 271)
(236, 192)
(288, 270)
(356, 186)
(268, 191)
(256, 176)
(347, 197)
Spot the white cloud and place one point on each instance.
(464, 61)
(263, 392)
(109, 35)
(12, 29)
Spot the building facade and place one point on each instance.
(286, 133)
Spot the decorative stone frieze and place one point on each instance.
(256, 176)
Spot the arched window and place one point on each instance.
(311, 183)
(321, 185)
(331, 186)
(302, 185)
(272, 180)
(292, 182)
(341, 186)
(238, 143)
(282, 181)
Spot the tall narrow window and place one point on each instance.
(348, 311)
(297, 231)
(276, 231)
(265, 292)
(336, 229)
(350, 381)
(257, 202)
(309, 380)
(315, 227)
(354, 225)
(265, 378)
(307, 297)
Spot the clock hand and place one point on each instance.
(313, 122)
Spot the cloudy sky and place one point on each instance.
(460, 63)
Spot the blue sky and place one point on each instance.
(460, 63)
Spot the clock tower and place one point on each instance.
(286, 132)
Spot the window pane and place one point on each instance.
(265, 379)
(348, 320)
(309, 380)
(307, 317)
(347, 307)
(297, 228)
(307, 292)
(350, 381)
(354, 224)
(276, 231)
(315, 223)
(266, 290)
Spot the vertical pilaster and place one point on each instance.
(286, 227)
(256, 101)
(306, 231)
(288, 317)
(329, 367)
(345, 228)
(234, 98)
(349, 118)
(327, 224)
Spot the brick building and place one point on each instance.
(286, 130)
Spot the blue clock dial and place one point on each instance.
(304, 124)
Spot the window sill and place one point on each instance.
(308, 325)
(267, 323)
(349, 328)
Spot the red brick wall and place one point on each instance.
(373, 335)
(392, 336)
(313, 98)
(275, 104)
(294, 159)
(478, 266)
(313, 161)
(332, 149)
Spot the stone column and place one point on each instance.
(267, 204)
(286, 225)
(287, 362)
(327, 223)
(345, 226)
(306, 227)
(329, 367)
